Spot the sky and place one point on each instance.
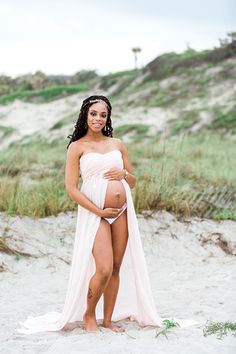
(66, 36)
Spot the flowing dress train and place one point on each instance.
(134, 298)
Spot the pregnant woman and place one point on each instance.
(106, 170)
(108, 278)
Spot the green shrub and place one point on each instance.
(47, 94)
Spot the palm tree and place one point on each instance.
(136, 50)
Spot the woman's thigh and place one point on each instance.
(102, 248)
(119, 231)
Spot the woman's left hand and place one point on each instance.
(114, 174)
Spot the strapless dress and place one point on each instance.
(135, 298)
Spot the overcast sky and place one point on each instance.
(66, 36)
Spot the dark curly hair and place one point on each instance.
(81, 124)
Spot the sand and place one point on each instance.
(191, 266)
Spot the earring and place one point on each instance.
(105, 129)
(85, 125)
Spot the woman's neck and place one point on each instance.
(95, 136)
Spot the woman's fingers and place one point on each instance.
(115, 210)
(110, 175)
(112, 212)
(113, 173)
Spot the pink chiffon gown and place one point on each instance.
(134, 298)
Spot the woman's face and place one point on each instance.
(97, 116)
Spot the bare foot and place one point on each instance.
(112, 327)
(90, 323)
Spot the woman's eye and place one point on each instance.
(93, 114)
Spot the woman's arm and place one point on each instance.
(72, 180)
(130, 178)
(116, 173)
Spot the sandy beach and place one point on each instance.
(192, 271)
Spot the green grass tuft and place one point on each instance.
(221, 329)
(168, 324)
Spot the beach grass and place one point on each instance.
(220, 329)
(173, 174)
(179, 174)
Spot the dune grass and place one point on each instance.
(172, 174)
(46, 94)
(43, 199)
(221, 329)
(32, 179)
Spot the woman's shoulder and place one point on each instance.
(119, 144)
(76, 147)
(117, 141)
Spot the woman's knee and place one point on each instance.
(104, 273)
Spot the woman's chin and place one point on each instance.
(96, 130)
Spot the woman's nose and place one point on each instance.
(98, 118)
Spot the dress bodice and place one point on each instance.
(95, 164)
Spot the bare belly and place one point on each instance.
(115, 195)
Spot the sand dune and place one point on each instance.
(192, 270)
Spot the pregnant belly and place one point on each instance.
(115, 194)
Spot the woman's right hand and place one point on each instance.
(109, 212)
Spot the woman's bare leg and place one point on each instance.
(119, 230)
(103, 255)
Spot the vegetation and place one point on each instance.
(221, 329)
(5, 130)
(66, 120)
(224, 121)
(171, 63)
(168, 324)
(186, 120)
(140, 129)
(44, 94)
(109, 80)
(39, 80)
(174, 174)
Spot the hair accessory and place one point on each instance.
(97, 100)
